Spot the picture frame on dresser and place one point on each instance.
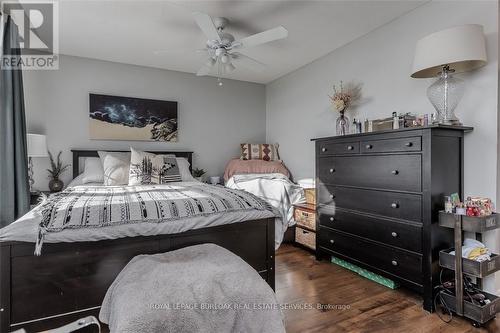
(379, 195)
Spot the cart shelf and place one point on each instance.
(477, 224)
(470, 267)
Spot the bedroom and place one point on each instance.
(145, 52)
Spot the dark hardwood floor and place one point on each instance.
(367, 306)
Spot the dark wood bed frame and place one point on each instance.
(69, 280)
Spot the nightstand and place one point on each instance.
(305, 231)
(37, 197)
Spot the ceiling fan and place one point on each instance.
(222, 48)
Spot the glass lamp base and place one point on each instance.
(445, 94)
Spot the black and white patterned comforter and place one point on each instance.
(103, 206)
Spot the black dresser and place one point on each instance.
(378, 199)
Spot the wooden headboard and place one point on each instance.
(77, 153)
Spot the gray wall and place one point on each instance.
(213, 120)
(298, 108)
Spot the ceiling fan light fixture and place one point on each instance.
(220, 51)
(229, 67)
(225, 59)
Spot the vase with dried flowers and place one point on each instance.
(342, 98)
(56, 169)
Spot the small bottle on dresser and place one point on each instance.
(395, 120)
(354, 126)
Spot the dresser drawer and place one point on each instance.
(391, 204)
(402, 235)
(397, 262)
(392, 145)
(392, 172)
(336, 148)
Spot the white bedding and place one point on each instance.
(275, 188)
(26, 228)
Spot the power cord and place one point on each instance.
(475, 295)
(439, 289)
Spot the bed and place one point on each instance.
(69, 280)
(270, 181)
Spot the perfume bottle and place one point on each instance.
(395, 120)
(354, 127)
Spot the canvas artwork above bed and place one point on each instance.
(127, 118)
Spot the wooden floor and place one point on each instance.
(362, 305)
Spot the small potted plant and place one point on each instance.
(56, 169)
(198, 174)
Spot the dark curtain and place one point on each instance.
(14, 185)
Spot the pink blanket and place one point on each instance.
(238, 167)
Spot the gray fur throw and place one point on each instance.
(197, 289)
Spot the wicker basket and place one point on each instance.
(305, 237)
(305, 218)
(310, 194)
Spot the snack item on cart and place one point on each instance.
(478, 206)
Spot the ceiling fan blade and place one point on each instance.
(264, 37)
(248, 62)
(180, 51)
(206, 25)
(206, 68)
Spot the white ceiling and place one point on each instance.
(130, 31)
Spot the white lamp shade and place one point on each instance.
(37, 145)
(462, 48)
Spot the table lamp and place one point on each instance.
(454, 50)
(37, 147)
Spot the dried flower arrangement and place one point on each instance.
(345, 96)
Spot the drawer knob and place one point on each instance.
(395, 172)
(2, 310)
(394, 205)
(332, 170)
(323, 149)
(332, 196)
(409, 144)
(350, 147)
(369, 146)
(394, 234)
(394, 263)
(332, 241)
(305, 232)
(332, 218)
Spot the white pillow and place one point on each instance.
(183, 165)
(116, 167)
(77, 181)
(93, 171)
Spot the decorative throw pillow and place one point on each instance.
(93, 171)
(183, 165)
(116, 166)
(266, 152)
(147, 168)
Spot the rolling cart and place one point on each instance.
(479, 314)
